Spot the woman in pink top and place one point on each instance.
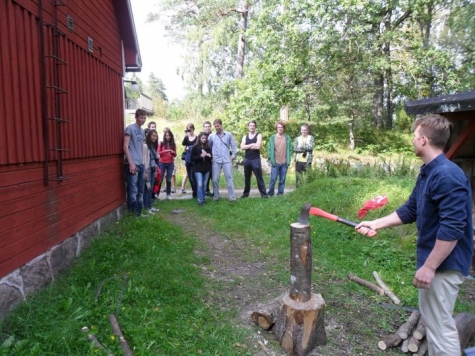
(167, 152)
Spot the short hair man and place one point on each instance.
(152, 125)
(224, 149)
(279, 152)
(134, 165)
(251, 144)
(441, 205)
(303, 148)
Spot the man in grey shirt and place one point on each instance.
(134, 165)
(224, 151)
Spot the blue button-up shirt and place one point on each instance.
(441, 206)
(223, 147)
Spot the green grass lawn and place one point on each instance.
(147, 272)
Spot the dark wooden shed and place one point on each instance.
(62, 64)
(460, 110)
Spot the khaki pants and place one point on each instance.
(437, 305)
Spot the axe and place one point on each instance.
(307, 210)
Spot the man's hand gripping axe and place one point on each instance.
(307, 210)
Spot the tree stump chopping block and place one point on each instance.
(300, 325)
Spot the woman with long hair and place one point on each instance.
(167, 152)
(201, 157)
(150, 159)
(188, 142)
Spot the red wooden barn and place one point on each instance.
(62, 64)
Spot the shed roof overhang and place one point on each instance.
(125, 19)
(442, 104)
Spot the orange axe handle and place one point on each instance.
(324, 214)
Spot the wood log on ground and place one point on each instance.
(466, 328)
(420, 331)
(414, 344)
(404, 346)
(406, 329)
(392, 340)
(422, 349)
(386, 289)
(92, 338)
(365, 283)
(266, 316)
(300, 325)
(300, 262)
(118, 332)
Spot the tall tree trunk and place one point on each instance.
(378, 100)
(242, 41)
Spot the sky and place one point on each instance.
(158, 55)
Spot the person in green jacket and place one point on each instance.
(280, 154)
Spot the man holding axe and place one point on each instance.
(441, 206)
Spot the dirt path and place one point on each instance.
(245, 286)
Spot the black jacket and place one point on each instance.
(202, 164)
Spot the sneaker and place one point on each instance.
(173, 190)
(154, 210)
(169, 197)
(183, 191)
(244, 196)
(209, 194)
(163, 190)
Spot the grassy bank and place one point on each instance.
(149, 273)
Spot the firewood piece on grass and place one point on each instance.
(422, 349)
(414, 344)
(267, 315)
(96, 343)
(465, 323)
(386, 289)
(365, 283)
(404, 346)
(392, 340)
(405, 329)
(420, 331)
(117, 331)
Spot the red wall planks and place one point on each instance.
(34, 217)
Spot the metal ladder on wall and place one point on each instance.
(51, 114)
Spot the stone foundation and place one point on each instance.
(39, 272)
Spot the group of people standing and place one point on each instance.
(206, 155)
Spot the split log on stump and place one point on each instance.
(117, 331)
(365, 283)
(420, 331)
(406, 329)
(300, 325)
(465, 323)
(414, 344)
(386, 289)
(390, 341)
(422, 349)
(267, 315)
(300, 262)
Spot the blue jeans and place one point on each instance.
(201, 179)
(168, 168)
(147, 195)
(281, 171)
(135, 188)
